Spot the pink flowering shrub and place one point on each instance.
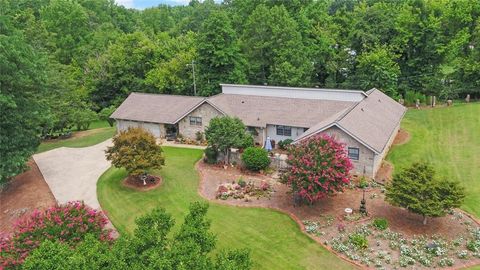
(319, 166)
(68, 223)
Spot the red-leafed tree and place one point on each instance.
(319, 166)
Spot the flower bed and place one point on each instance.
(385, 249)
(243, 190)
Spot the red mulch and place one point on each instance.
(137, 184)
(399, 219)
(26, 192)
(384, 174)
(402, 137)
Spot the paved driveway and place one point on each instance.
(72, 173)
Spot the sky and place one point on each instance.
(141, 4)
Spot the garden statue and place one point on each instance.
(467, 99)
(449, 102)
(363, 208)
(417, 104)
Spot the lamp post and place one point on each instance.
(363, 208)
(193, 74)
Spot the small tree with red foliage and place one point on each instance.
(68, 223)
(319, 166)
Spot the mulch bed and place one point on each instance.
(384, 174)
(136, 183)
(402, 137)
(26, 192)
(399, 219)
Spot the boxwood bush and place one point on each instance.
(255, 159)
(285, 143)
(380, 223)
(211, 155)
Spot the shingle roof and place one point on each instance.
(156, 108)
(371, 121)
(260, 110)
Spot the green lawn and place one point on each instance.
(449, 138)
(274, 239)
(99, 134)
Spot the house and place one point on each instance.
(367, 122)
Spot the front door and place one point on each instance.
(171, 131)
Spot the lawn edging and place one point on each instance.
(276, 209)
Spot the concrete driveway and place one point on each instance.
(72, 173)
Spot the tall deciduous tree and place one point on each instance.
(136, 150)
(419, 191)
(274, 48)
(120, 70)
(378, 69)
(219, 57)
(22, 84)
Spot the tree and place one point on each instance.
(105, 113)
(419, 191)
(136, 150)
(274, 48)
(219, 57)
(226, 132)
(172, 74)
(150, 247)
(20, 106)
(378, 69)
(120, 70)
(319, 166)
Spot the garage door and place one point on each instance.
(153, 128)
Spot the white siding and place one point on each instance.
(293, 92)
(272, 133)
(156, 129)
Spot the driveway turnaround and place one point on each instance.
(72, 173)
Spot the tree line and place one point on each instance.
(64, 61)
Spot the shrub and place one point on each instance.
(412, 96)
(319, 166)
(255, 159)
(68, 223)
(363, 183)
(283, 144)
(199, 136)
(211, 155)
(380, 223)
(358, 240)
(242, 182)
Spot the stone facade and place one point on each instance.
(365, 163)
(158, 130)
(206, 112)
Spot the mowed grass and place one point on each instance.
(274, 239)
(449, 138)
(97, 134)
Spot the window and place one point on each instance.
(252, 131)
(284, 130)
(195, 121)
(353, 153)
